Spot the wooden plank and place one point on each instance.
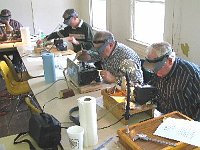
(89, 88)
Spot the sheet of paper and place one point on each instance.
(181, 130)
(2, 147)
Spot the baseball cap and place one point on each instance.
(68, 14)
(163, 51)
(5, 13)
(104, 38)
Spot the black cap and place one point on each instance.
(5, 13)
(70, 13)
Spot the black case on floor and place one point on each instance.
(45, 130)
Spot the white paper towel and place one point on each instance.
(88, 119)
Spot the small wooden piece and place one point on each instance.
(66, 93)
(90, 88)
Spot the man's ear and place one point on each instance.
(170, 61)
(112, 44)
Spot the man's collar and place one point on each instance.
(80, 24)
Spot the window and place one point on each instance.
(149, 20)
(99, 14)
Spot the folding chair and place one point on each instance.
(21, 76)
(15, 88)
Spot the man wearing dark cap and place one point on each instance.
(8, 25)
(111, 54)
(11, 27)
(177, 81)
(78, 32)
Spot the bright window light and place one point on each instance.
(149, 20)
(99, 14)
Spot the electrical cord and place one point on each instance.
(48, 102)
(67, 122)
(64, 127)
(48, 87)
(111, 124)
(25, 55)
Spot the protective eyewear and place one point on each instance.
(99, 42)
(154, 65)
(101, 49)
(67, 20)
(5, 17)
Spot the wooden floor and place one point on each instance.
(12, 120)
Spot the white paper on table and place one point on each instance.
(2, 147)
(181, 130)
(34, 59)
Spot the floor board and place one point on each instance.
(13, 121)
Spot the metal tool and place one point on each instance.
(144, 137)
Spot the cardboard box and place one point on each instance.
(117, 109)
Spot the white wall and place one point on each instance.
(20, 10)
(38, 14)
(182, 25)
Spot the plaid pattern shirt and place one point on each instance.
(14, 24)
(112, 63)
(180, 89)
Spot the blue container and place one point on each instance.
(49, 67)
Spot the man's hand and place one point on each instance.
(107, 76)
(7, 25)
(41, 42)
(83, 56)
(72, 39)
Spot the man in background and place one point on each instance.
(10, 29)
(8, 25)
(177, 81)
(78, 32)
(111, 54)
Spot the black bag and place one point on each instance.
(45, 130)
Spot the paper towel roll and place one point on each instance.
(49, 67)
(25, 35)
(88, 119)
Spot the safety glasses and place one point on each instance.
(67, 20)
(154, 65)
